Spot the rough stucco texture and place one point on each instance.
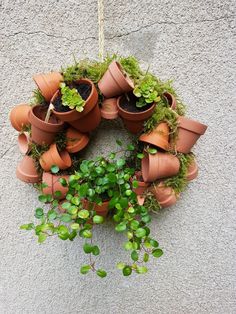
(192, 42)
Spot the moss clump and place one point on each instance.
(61, 140)
(36, 152)
(151, 203)
(179, 182)
(38, 98)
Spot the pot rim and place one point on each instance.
(191, 125)
(134, 116)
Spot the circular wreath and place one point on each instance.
(137, 179)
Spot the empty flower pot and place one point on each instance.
(23, 142)
(189, 132)
(170, 99)
(48, 83)
(76, 140)
(133, 120)
(159, 165)
(109, 109)
(19, 116)
(54, 185)
(54, 157)
(142, 186)
(43, 132)
(158, 137)
(101, 210)
(192, 172)
(89, 118)
(26, 170)
(115, 81)
(164, 195)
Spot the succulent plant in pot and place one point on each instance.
(77, 104)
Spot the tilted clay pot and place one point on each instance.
(48, 83)
(54, 157)
(134, 120)
(171, 100)
(26, 170)
(159, 165)
(76, 140)
(89, 118)
(164, 195)
(109, 109)
(101, 210)
(140, 199)
(142, 186)
(43, 132)
(158, 137)
(192, 171)
(54, 185)
(189, 132)
(23, 142)
(115, 82)
(19, 116)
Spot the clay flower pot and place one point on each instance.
(89, 118)
(159, 165)
(192, 171)
(164, 195)
(109, 109)
(48, 83)
(54, 157)
(26, 170)
(53, 185)
(140, 199)
(115, 82)
(142, 186)
(133, 120)
(101, 210)
(170, 99)
(43, 132)
(19, 116)
(189, 132)
(76, 140)
(23, 143)
(158, 137)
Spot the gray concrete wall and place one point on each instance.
(192, 42)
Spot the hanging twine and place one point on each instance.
(101, 28)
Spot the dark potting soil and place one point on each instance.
(84, 91)
(129, 104)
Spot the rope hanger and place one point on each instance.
(101, 28)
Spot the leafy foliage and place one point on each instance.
(70, 97)
(38, 98)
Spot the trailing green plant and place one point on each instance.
(179, 182)
(95, 181)
(38, 98)
(71, 98)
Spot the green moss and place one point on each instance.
(36, 152)
(179, 182)
(61, 140)
(151, 203)
(131, 67)
(38, 98)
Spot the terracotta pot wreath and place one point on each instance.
(148, 174)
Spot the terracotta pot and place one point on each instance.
(23, 142)
(48, 83)
(43, 132)
(101, 210)
(142, 186)
(140, 199)
(54, 185)
(26, 170)
(115, 82)
(54, 157)
(89, 118)
(19, 116)
(171, 100)
(159, 165)
(134, 120)
(164, 195)
(109, 109)
(192, 171)
(76, 140)
(158, 137)
(189, 132)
